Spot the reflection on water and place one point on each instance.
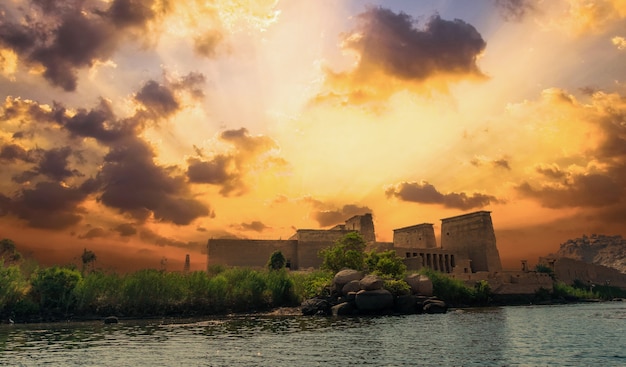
(573, 335)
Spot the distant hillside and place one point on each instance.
(609, 251)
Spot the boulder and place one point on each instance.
(351, 286)
(405, 304)
(435, 306)
(111, 320)
(344, 276)
(315, 306)
(371, 283)
(351, 296)
(345, 308)
(420, 284)
(377, 300)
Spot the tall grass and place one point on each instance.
(56, 293)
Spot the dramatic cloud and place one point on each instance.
(392, 48)
(48, 205)
(552, 171)
(14, 152)
(158, 99)
(61, 38)
(127, 178)
(126, 229)
(593, 190)
(327, 218)
(150, 236)
(96, 232)
(425, 193)
(228, 170)
(515, 10)
(133, 183)
(497, 163)
(255, 226)
(602, 183)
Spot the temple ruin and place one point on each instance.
(468, 245)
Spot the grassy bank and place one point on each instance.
(58, 293)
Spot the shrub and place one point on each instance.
(309, 285)
(276, 261)
(99, 292)
(347, 252)
(53, 289)
(562, 290)
(281, 288)
(450, 290)
(397, 287)
(13, 288)
(541, 268)
(386, 264)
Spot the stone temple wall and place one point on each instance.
(420, 236)
(249, 253)
(472, 236)
(364, 225)
(569, 270)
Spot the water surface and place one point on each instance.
(565, 335)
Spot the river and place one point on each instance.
(589, 334)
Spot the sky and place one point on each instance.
(139, 129)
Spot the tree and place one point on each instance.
(347, 252)
(88, 257)
(277, 261)
(53, 288)
(386, 264)
(8, 251)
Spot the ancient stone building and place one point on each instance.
(469, 246)
(471, 236)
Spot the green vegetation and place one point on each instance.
(540, 268)
(455, 292)
(277, 261)
(347, 252)
(386, 264)
(57, 293)
(580, 290)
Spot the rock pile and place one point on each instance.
(609, 251)
(353, 293)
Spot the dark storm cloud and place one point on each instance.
(392, 42)
(48, 205)
(128, 179)
(54, 164)
(327, 218)
(64, 37)
(502, 163)
(133, 183)
(255, 225)
(191, 82)
(228, 170)
(515, 10)
(97, 232)
(126, 229)
(14, 152)
(99, 123)
(426, 193)
(602, 189)
(591, 190)
(213, 172)
(132, 13)
(150, 236)
(551, 171)
(158, 99)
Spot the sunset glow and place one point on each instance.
(139, 129)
